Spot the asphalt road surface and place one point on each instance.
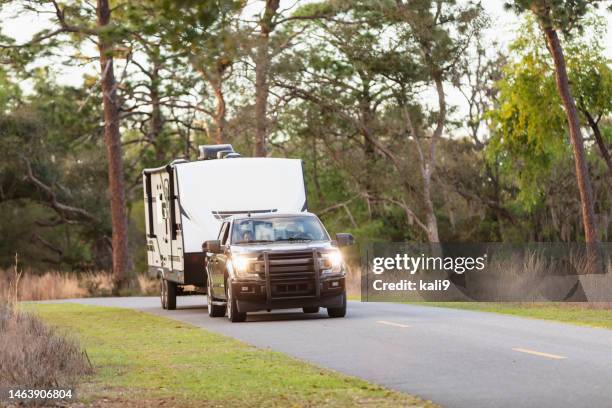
(455, 358)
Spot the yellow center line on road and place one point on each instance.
(539, 353)
(403, 326)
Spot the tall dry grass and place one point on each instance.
(353, 281)
(28, 285)
(32, 354)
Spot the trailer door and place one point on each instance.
(174, 223)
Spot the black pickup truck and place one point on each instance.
(275, 261)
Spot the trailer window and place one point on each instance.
(274, 229)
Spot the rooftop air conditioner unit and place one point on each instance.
(209, 152)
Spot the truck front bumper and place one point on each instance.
(252, 295)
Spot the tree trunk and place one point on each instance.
(582, 172)
(261, 97)
(262, 66)
(219, 113)
(156, 123)
(112, 139)
(599, 139)
(315, 170)
(367, 115)
(430, 216)
(428, 165)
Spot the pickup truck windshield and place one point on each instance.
(276, 229)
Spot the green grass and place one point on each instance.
(574, 313)
(141, 359)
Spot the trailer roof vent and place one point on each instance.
(209, 152)
(227, 154)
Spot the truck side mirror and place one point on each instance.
(213, 246)
(344, 239)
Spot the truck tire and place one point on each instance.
(162, 293)
(232, 309)
(213, 310)
(314, 309)
(171, 295)
(338, 311)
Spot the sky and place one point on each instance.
(504, 23)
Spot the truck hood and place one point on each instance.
(281, 246)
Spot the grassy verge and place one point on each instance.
(575, 313)
(145, 360)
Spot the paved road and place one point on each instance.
(453, 357)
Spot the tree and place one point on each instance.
(564, 16)
(76, 20)
(262, 64)
(204, 35)
(529, 127)
(375, 91)
(50, 177)
(112, 138)
(431, 27)
(269, 20)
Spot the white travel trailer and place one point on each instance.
(186, 202)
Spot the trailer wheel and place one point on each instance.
(338, 311)
(232, 309)
(213, 310)
(162, 293)
(171, 289)
(314, 309)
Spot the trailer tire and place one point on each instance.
(338, 311)
(171, 289)
(213, 310)
(163, 293)
(232, 309)
(314, 309)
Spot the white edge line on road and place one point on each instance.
(539, 353)
(393, 324)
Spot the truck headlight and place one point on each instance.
(331, 262)
(243, 265)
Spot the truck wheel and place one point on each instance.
(314, 309)
(163, 293)
(170, 295)
(338, 311)
(213, 310)
(232, 310)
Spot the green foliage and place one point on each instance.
(530, 124)
(56, 134)
(9, 91)
(343, 76)
(563, 15)
(318, 9)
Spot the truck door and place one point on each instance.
(219, 260)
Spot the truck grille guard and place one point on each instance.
(291, 274)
